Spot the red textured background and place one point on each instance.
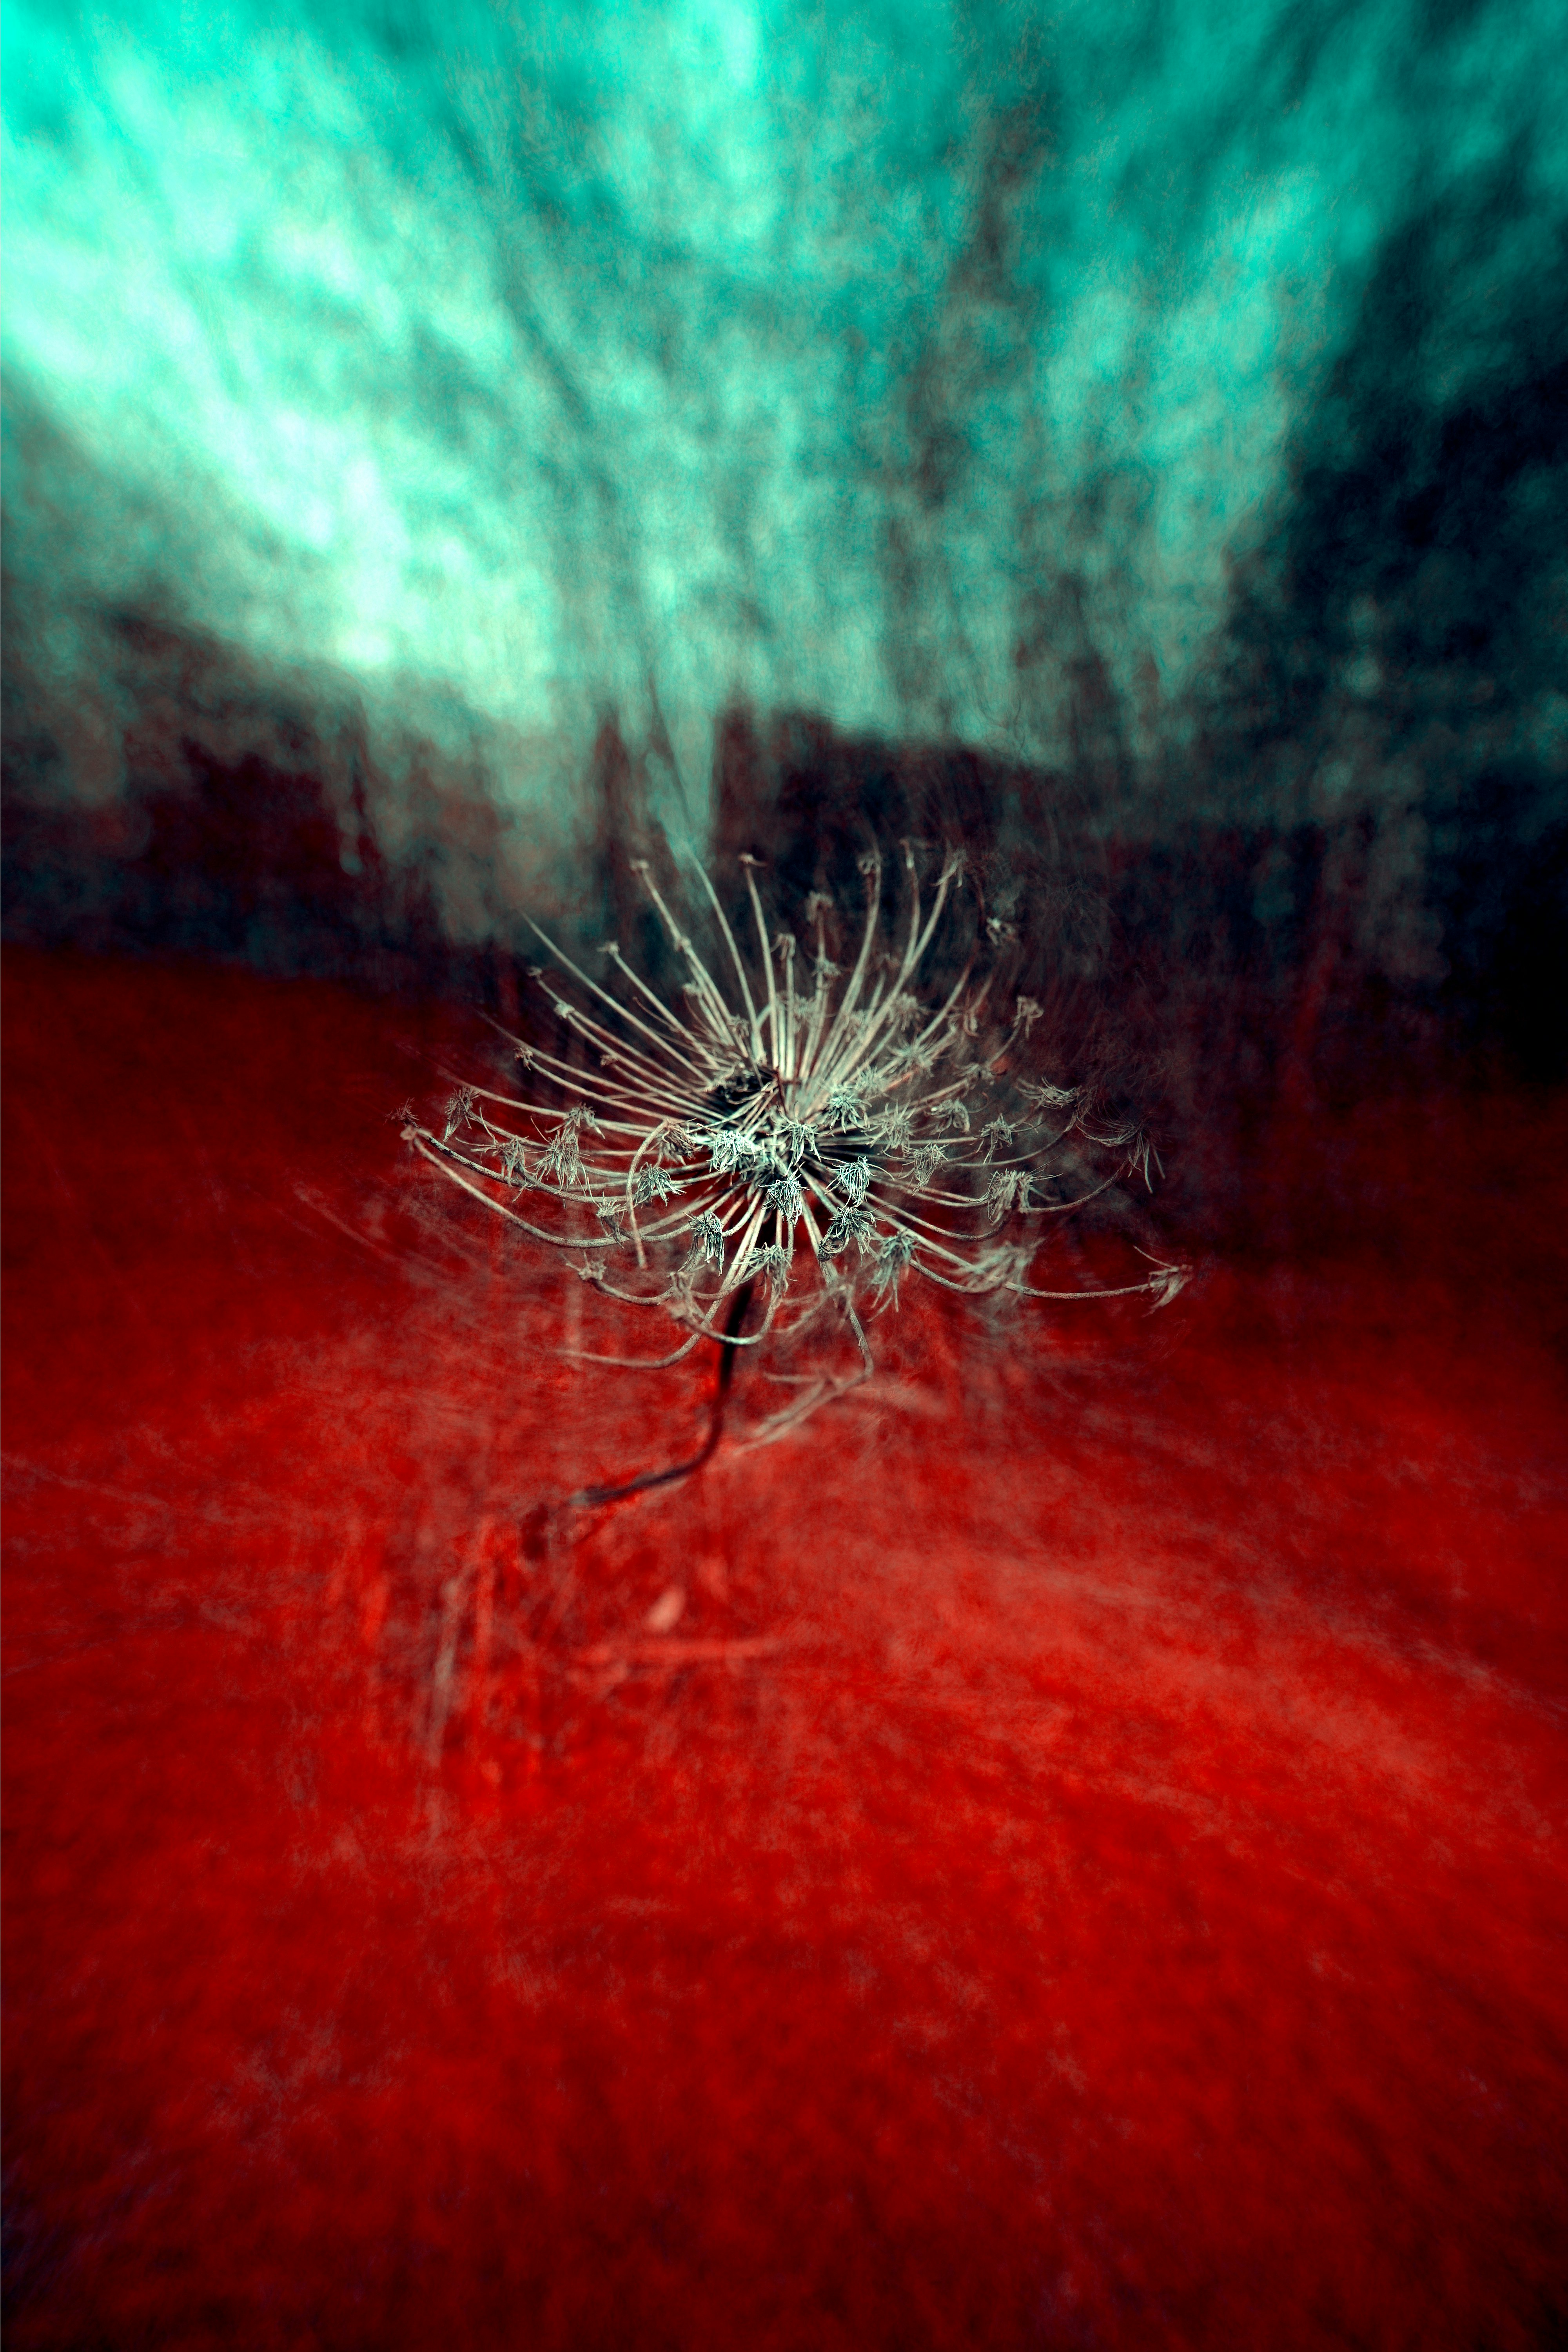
(1086, 1869)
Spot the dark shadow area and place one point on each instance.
(1403, 638)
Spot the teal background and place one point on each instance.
(1166, 397)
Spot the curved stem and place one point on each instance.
(729, 1348)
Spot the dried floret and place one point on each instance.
(848, 1226)
(772, 1265)
(653, 1183)
(1001, 1192)
(783, 1196)
(1045, 1097)
(708, 1238)
(561, 1160)
(732, 1151)
(895, 1253)
(459, 1110)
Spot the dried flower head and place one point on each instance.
(809, 1148)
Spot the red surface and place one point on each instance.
(1085, 1869)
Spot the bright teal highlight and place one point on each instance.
(489, 371)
